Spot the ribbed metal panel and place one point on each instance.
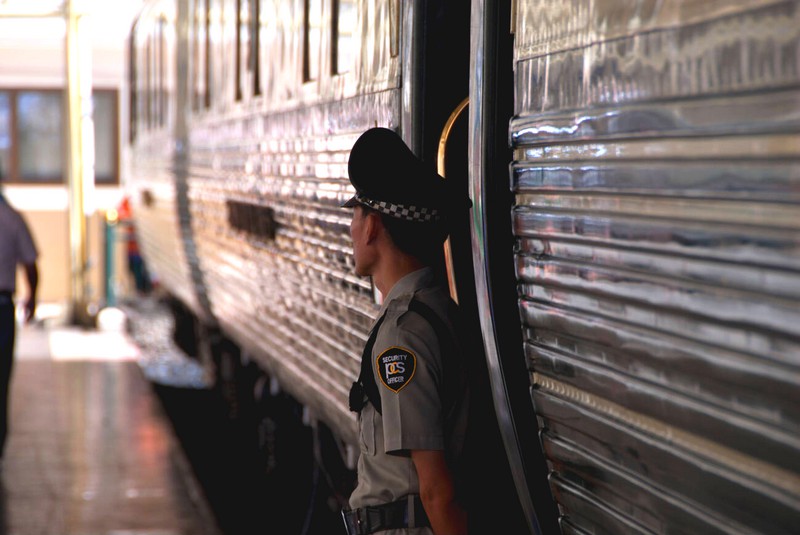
(657, 181)
(159, 226)
(293, 299)
(247, 227)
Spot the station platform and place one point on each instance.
(90, 450)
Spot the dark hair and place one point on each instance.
(421, 240)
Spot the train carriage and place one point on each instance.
(631, 257)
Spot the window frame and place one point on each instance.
(12, 176)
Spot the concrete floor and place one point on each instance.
(90, 450)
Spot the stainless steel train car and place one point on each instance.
(631, 260)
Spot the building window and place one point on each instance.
(32, 143)
(5, 135)
(40, 143)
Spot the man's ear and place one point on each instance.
(373, 226)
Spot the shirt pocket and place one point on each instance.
(366, 430)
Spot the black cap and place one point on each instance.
(388, 177)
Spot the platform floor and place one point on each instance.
(90, 450)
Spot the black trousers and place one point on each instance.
(7, 333)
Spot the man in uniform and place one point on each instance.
(411, 396)
(16, 247)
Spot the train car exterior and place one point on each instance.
(633, 253)
(656, 218)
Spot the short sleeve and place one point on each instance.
(26, 248)
(408, 373)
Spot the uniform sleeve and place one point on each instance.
(408, 373)
(26, 248)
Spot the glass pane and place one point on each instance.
(105, 136)
(313, 39)
(40, 124)
(5, 135)
(346, 25)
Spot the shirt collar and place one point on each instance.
(410, 283)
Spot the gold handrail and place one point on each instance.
(448, 253)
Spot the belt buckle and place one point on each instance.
(353, 522)
(359, 521)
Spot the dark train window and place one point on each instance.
(394, 29)
(133, 80)
(161, 61)
(247, 81)
(241, 44)
(344, 25)
(253, 59)
(207, 56)
(148, 82)
(312, 39)
(198, 56)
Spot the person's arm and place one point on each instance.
(32, 275)
(438, 493)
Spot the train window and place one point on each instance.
(247, 81)
(215, 58)
(197, 61)
(148, 82)
(207, 55)
(5, 135)
(312, 39)
(394, 28)
(133, 77)
(253, 60)
(161, 62)
(40, 123)
(105, 136)
(241, 45)
(344, 26)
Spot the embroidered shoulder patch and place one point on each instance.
(396, 367)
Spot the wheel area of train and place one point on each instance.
(252, 455)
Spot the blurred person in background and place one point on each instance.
(16, 248)
(136, 265)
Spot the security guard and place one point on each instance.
(412, 394)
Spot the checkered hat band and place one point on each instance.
(409, 213)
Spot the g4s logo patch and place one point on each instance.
(396, 367)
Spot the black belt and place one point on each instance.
(406, 512)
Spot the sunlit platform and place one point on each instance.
(90, 450)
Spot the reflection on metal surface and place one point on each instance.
(440, 165)
(544, 27)
(656, 167)
(254, 191)
(751, 50)
(713, 452)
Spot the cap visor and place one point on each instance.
(351, 203)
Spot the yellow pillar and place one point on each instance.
(80, 156)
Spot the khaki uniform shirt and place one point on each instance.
(414, 415)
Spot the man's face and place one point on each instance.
(362, 253)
